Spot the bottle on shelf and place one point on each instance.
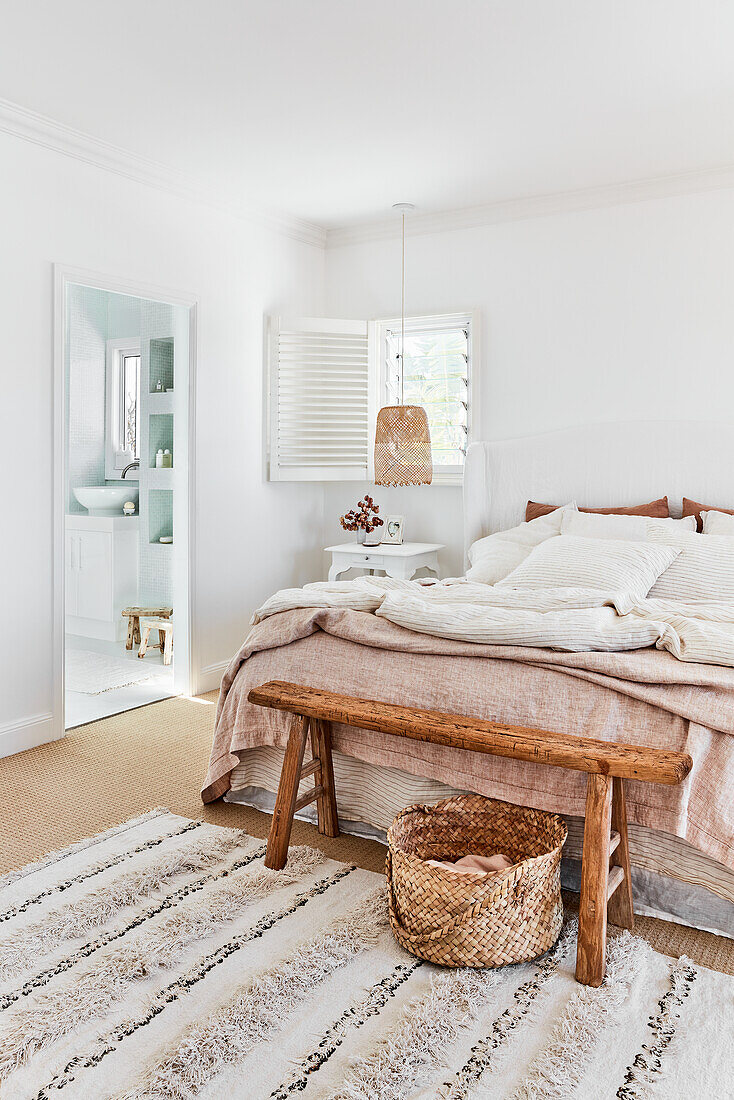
(167, 462)
(159, 386)
(159, 458)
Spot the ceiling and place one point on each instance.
(332, 110)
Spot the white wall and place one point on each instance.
(619, 313)
(251, 537)
(624, 312)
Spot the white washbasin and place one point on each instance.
(106, 500)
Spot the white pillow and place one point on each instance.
(704, 570)
(717, 523)
(494, 556)
(611, 565)
(673, 526)
(590, 525)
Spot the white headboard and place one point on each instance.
(598, 466)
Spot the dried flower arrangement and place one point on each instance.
(363, 518)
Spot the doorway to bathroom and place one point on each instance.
(123, 636)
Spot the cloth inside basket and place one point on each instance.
(474, 864)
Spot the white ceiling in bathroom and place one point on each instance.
(331, 110)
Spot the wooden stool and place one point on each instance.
(606, 888)
(134, 614)
(165, 637)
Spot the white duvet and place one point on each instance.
(572, 619)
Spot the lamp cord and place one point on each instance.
(402, 323)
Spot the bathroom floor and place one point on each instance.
(93, 664)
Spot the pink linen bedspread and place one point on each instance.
(644, 697)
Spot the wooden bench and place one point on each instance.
(606, 892)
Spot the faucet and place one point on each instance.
(130, 466)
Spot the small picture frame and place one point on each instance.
(393, 531)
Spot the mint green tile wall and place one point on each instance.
(160, 435)
(161, 364)
(160, 515)
(123, 316)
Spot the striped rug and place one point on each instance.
(161, 959)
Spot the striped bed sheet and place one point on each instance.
(671, 879)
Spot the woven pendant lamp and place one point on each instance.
(402, 436)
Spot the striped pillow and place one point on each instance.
(611, 565)
(703, 571)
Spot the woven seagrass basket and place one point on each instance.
(463, 920)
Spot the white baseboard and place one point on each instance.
(27, 733)
(210, 677)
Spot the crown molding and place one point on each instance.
(40, 130)
(537, 206)
(30, 126)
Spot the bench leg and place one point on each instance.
(285, 801)
(130, 633)
(144, 644)
(620, 909)
(592, 942)
(326, 802)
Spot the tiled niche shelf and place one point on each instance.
(160, 435)
(160, 515)
(160, 402)
(160, 479)
(161, 363)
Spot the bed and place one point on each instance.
(681, 839)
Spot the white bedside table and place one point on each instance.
(400, 561)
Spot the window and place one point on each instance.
(329, 377)
(320, 394)
(437, 374)
(122, 444)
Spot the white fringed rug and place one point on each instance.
(95, 673)
(163, 960)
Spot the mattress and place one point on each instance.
(670, 878)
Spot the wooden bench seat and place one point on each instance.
(606, 892)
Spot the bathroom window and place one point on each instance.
(123, 408)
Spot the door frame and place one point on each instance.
(65, 276)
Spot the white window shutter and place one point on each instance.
(321, 400)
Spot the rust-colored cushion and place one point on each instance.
(693, 508)
(656, 509)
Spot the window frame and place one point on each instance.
(116, 351)
(467, 319)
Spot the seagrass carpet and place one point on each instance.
(162, 960)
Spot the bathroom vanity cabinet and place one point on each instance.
(101, 574)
